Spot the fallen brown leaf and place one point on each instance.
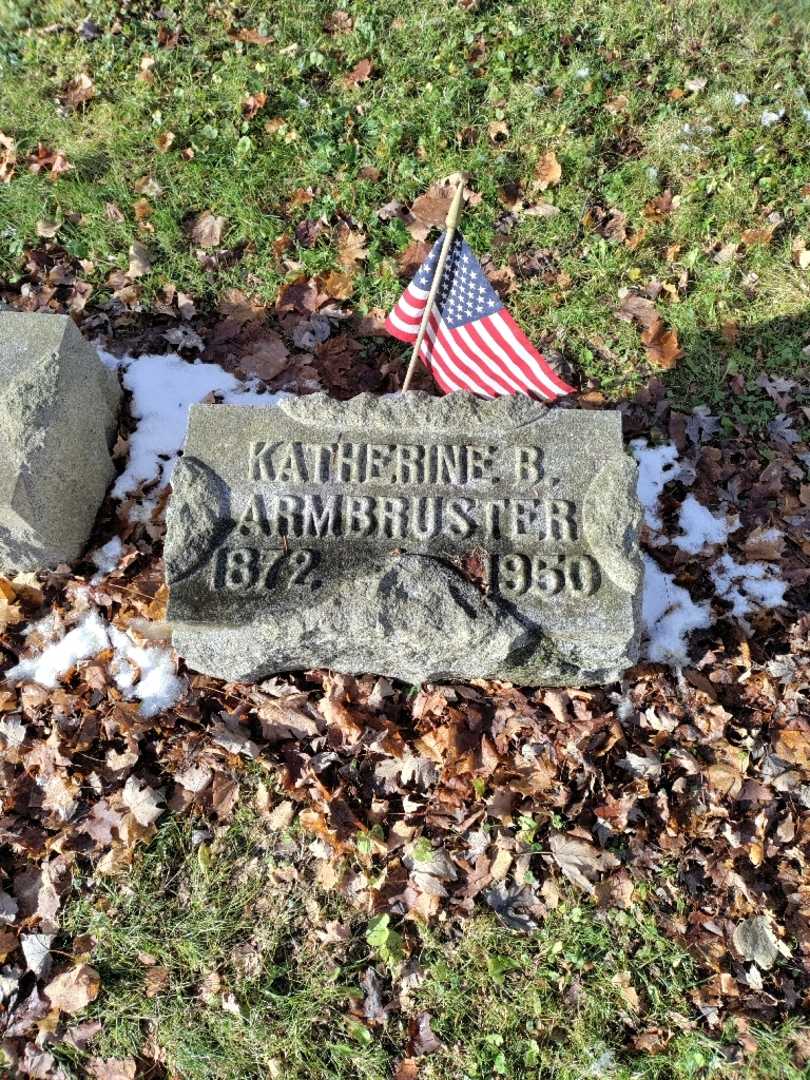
(497, 131)
(339, 286)
(164, 141)
(73, 990)
(78, 91)
(206, 230)
(253, 103)
(339, 22)
(8, 158)
(139, 261)
(548, 170)
(662, 345)
(360, 73)
(54, 162)
(351, 247)
(661, 206)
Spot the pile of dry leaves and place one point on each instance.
(461, 794)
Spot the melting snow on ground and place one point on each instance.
(700, 527)
(163, 388)
(669, 613)
(657, 465)
(145, 674)
(747, 586)
(106, 558)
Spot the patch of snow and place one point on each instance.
(582, 73)
(699, 527)
(768, 118)
(81, 643)
(669, 615)
(106, 558)
(740, 99)
(143, 674)
(806, 115)
(747, 586)
(163, 388)
(657, 465)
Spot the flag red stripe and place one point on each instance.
(487, 345)
(474, 343)
(483, 374)
(489, 356)
(559, 384)
(433, 363)
(500, 338)
(460, 372)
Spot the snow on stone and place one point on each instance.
(747, 586)
(657, 465)
(143, 674)
(699, 527)
(163, 388)
(669, 615)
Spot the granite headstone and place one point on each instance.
(58, 411)
(410, 536)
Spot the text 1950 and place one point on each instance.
(543, 576)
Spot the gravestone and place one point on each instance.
(58, 410)
(409, 536)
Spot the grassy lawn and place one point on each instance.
(228, 928)
(682, 134)
(251, 112)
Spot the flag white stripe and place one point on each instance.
(436, 368)
(519, 382)
(522, 351)
(452, 347)
(449, 362)
(409, 309)
(400, 325)
(499, 350)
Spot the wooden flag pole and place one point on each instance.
(453, 214)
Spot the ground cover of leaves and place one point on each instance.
(638, 247)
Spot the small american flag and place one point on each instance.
(472, 342)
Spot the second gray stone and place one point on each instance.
(58, 412)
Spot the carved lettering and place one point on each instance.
(528, 464)
(321, 516)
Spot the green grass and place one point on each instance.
(441, 75)
(240, 915)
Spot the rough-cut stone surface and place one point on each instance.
(58, 409)
(410, 536)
